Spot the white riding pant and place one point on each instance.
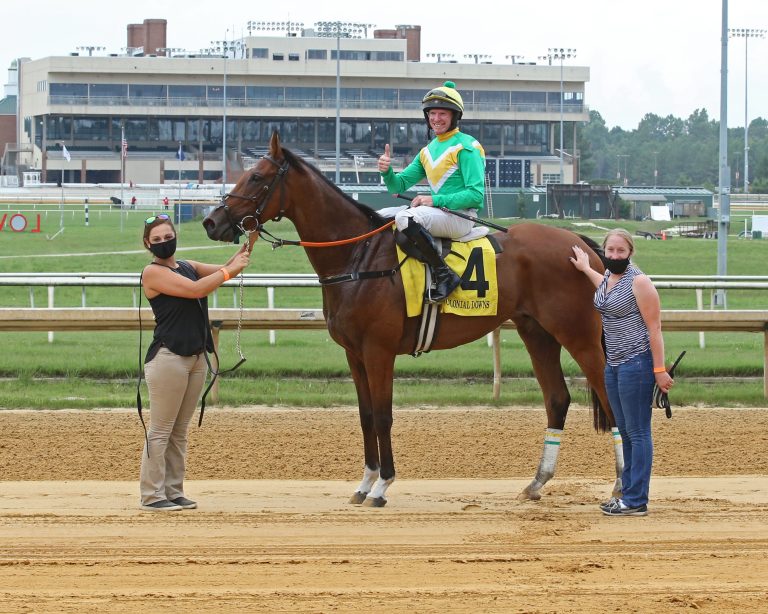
(435, 221)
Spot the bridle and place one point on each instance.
(262, 197)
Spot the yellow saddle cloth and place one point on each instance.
(475, 263)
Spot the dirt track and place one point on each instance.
(274, 532)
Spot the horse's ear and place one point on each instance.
(274, 145)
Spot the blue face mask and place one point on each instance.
(617, 266)
(163, 250)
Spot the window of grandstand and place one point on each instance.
(249, 128)
(89, 128)
(317, 54)
(491, 101)
(191, 95)
(234, 92)
(259, 53)
(293, 57)
(307, 131)
(135, 129)
(350, 96)
(303, 96)
(147, 92)
(278, 57)
(529, 101)
(68, 93)
(264, 95)
(58, 127)
(379, 97)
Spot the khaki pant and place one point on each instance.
(174, 383)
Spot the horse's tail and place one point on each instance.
(599, 416)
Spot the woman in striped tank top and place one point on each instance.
(631, 312)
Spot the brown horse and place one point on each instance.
(539, 290)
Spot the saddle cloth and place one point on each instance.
(474, 262)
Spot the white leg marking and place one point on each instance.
(379, 489)
(548, 460)
(618, 451)
(369, 478)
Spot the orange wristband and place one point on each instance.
(226, 274)
(659, 369)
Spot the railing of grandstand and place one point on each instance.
(292, 103)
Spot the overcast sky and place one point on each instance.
(649, 56)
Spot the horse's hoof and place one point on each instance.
(374, 502)
(357, 498)
(528, 495)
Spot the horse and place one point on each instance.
(549, 302)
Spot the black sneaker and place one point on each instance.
(185, 503)
(617, 508)
(161, 506)
(607, 504)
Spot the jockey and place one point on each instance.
(453, 164)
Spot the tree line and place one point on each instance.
(684, 152)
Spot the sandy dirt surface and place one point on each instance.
(274, 532)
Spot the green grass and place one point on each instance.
(308, 368)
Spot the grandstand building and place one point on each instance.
(204, 117)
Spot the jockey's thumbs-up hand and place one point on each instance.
(385, 161)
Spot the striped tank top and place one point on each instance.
(626, 334)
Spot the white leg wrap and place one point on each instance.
(369, 477)
(618, 451)
(548, 460)
(379, 489)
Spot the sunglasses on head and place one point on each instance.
(162, 216)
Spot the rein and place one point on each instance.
(280, 242)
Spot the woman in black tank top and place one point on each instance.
(175, 366)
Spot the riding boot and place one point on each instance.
(446, 281)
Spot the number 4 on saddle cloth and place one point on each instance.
(473, 261)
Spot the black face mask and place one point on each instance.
(163, 250)
(617, 266)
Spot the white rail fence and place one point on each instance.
(272, 318)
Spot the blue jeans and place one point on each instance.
(630, 392)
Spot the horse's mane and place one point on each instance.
(594, 246)
(298, 162)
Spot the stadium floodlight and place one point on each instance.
(291, 28)
(168, 51)
(90, 48)
(746, 34)
(560, 53)
(339, 30)
(514, 58)
(478, 57)
(441, 57)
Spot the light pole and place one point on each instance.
(655, 168)
(224, 46)
(514, 58)
(560, 53)
(618, 172)
(90, 49)
(724, 178)
(339, 30)
(746, 34)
